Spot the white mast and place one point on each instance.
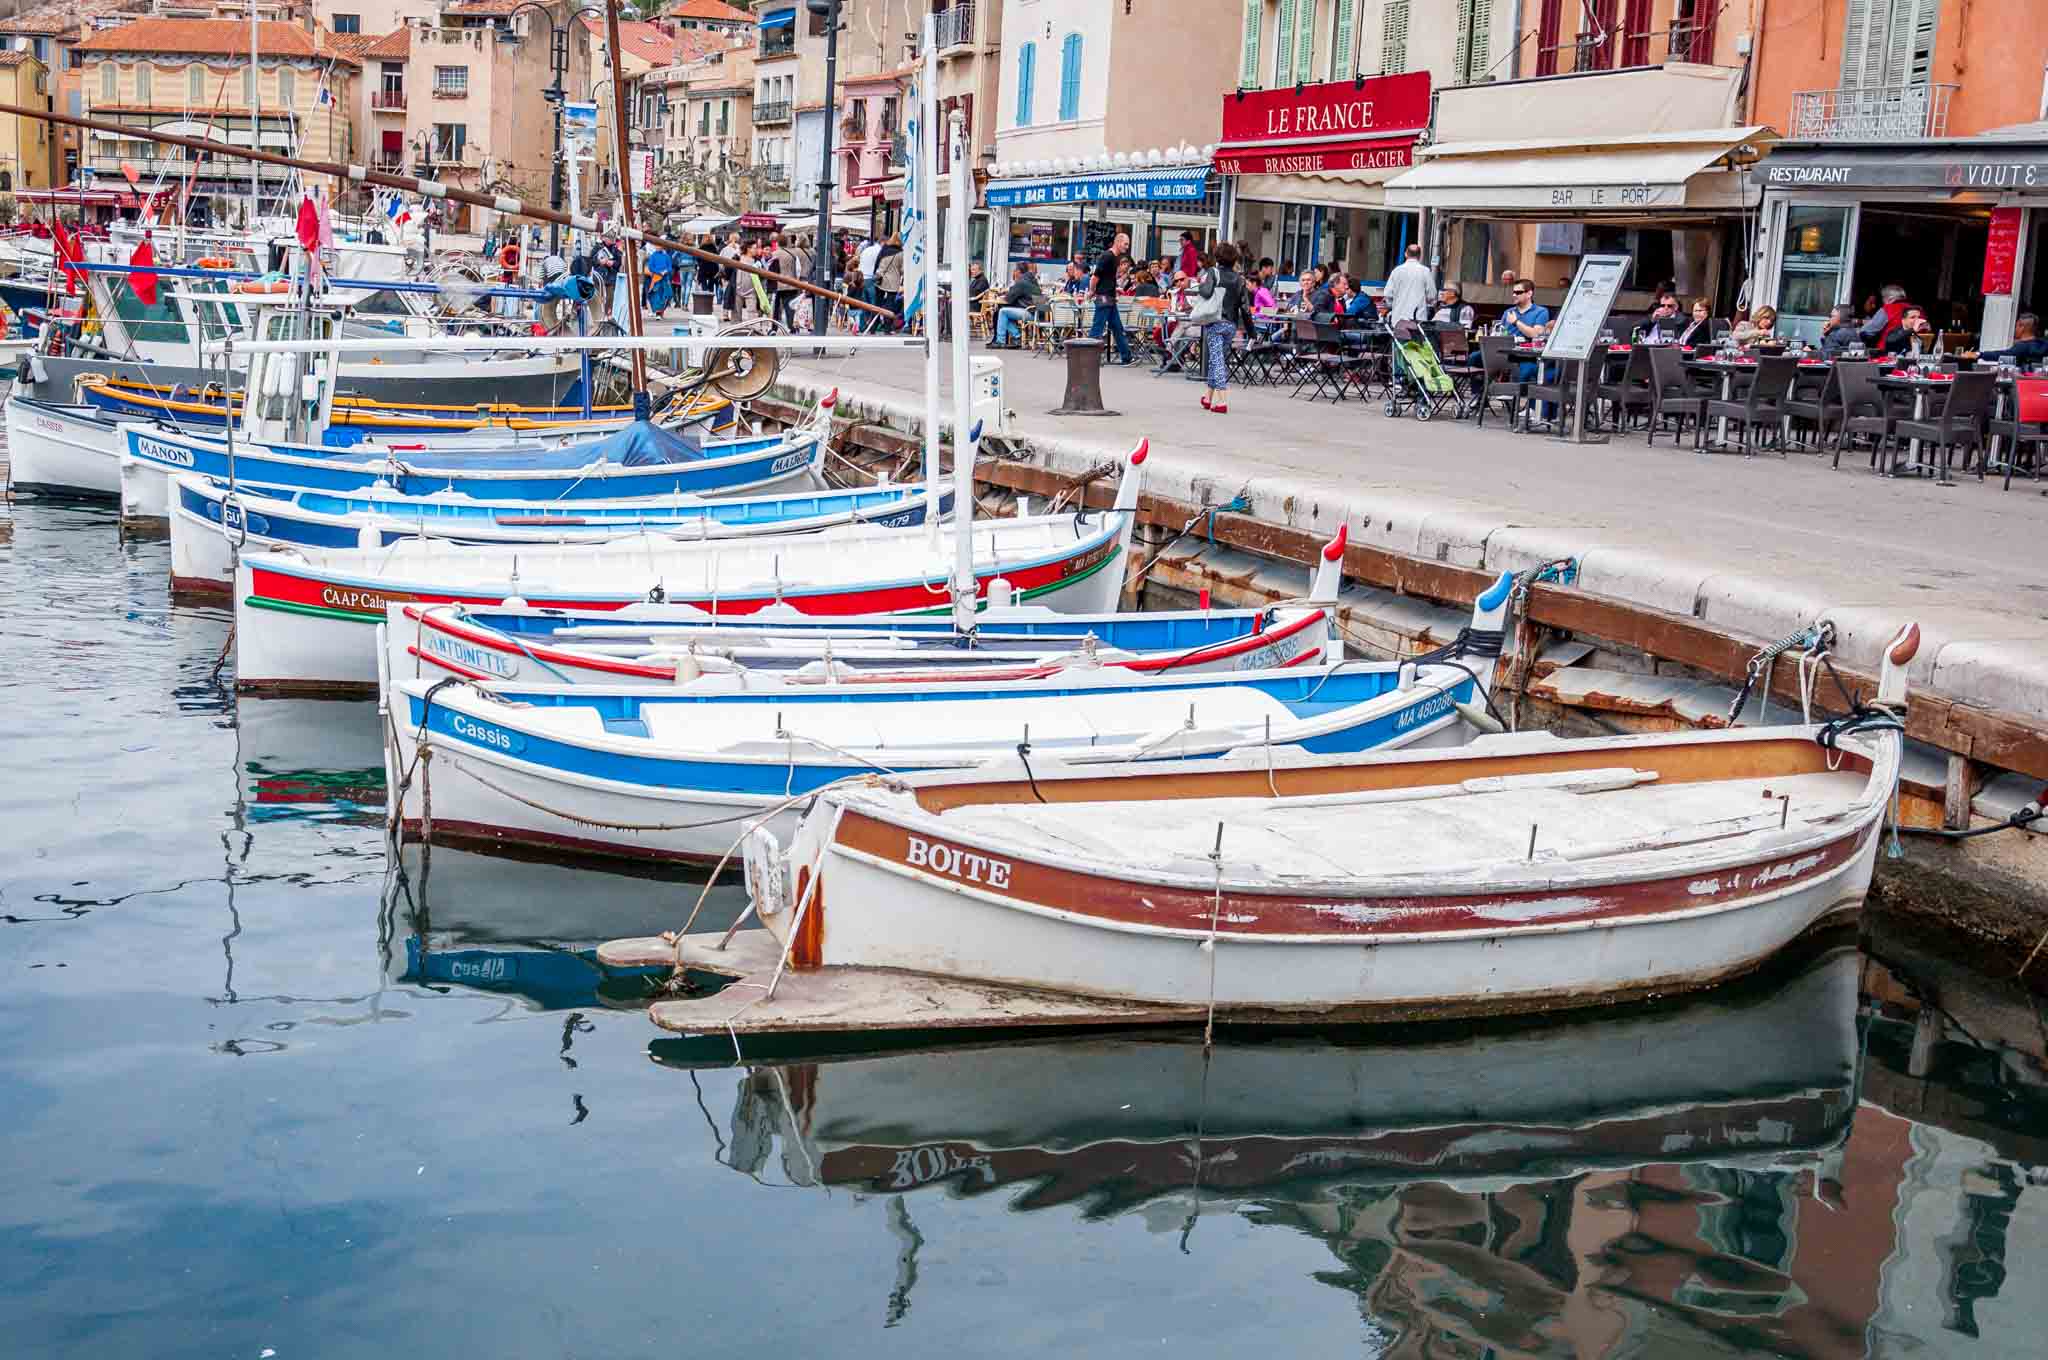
(966, 435)
(926, 157)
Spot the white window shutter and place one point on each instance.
(1305, 41)
(1248, 69)
(1283, 46)
(1394, 38)
(1343, 49)
(1475, 37)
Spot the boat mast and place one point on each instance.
(255, 117)
(641, 407)
(966, 434)
(924, 169)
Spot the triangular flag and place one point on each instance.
(143, 281)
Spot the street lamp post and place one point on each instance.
(558, 64)
(821, 269)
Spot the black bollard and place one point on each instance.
(1084, 380)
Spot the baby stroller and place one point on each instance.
(1418, 382)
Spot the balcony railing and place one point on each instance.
(390, 165)
(387, 101)
(777, 42)
(776, 112)
(1871, 113)
(1585, 53)
(774, 176)
(955, 25)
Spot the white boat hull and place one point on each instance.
(913, 922)
(50, 456)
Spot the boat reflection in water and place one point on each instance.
(310, 760)
(1584, 1187)
(530, 929)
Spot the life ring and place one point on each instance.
(258, 286)
(215, 262)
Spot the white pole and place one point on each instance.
(927, 152)
(966, 439)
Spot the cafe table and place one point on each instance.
(1726, 371)
(1922, 387)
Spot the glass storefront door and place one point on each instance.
(1818, 246)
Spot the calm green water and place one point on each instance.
(259, 1102)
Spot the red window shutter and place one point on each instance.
(1601, 58)
(1635, 47)
(1548, 28)
(1705, 14)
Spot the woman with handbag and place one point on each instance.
(1218, 313)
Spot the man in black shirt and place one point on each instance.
(1102, 288)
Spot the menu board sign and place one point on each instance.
(1578, 323)
(2002, 251)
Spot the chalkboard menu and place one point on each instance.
(1096, 237)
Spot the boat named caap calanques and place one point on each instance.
(1520, 873)
(306, 619)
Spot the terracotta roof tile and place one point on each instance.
(13, 58)
(210, 38)
(64, 16)
(707, 9)
(645, 41)
(393, 46)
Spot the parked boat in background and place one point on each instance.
(305, 620)
(211, 526)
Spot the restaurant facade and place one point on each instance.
(1528, 175)
(1303, 171)
(1960, 223)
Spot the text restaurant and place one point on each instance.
(1960, 223)
(1303, 169)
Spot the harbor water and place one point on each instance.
(270, 1095)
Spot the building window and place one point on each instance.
(1394, 38)
(1343, 47)
(287, 87)
(108, 89)
(1027, 69)
(41, 47)
(1549, 25)
(1070, 77)
(143, 92)
(249, 86)
(451, 82)
(1475, 40)
(195, 85)
(348, 23)
(449, 141)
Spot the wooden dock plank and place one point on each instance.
(837, 1000)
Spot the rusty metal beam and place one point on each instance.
(2008, 741)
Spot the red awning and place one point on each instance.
(96, 198)
(759, 221)
(1368, 154)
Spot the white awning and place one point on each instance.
(1578, 176)
(1315, 189)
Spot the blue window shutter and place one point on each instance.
(1070, 77)
(1027, 62)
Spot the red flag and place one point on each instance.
(65, 247)
(309, 224)
(143, 281)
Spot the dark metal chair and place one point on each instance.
(1499, 366)
(1559, 392)
(1865, 408)
(1631, 392)
(1816, 400)
(1673, 395)
(1961, 422)
(1763, 406)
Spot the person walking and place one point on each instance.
(1411, 289)
(1103, 290)
(889, 280)
(1221, 311)
(782, 259)
(731, 300)
(1190, 262)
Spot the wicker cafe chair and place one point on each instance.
(1816, 400)
(1673, 395)
(1865, 408)
(1961, 422)
(1762, 407)
(1497, 361)
(1631, 392)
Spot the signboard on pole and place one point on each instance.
(1576, 327)
(2001, 251)
(579, 126)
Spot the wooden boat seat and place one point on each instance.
(1321, 838)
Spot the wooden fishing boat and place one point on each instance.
(1520, 873)
(679, 772)
(636, 460)
(646, 646)
(210, 525)
(305, 619)
(1761, 1074)
(353, 418)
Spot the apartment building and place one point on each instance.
(194, 77)
(28, 158)
(49, 32)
